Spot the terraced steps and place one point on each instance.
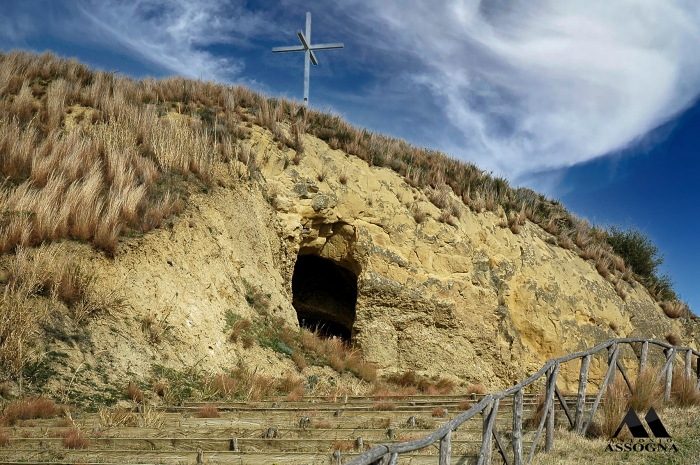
(306, 431)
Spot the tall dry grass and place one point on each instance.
(34, 281)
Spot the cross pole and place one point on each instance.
(308, 50)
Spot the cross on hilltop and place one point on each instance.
(308, 50)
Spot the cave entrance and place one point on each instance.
(324, 295)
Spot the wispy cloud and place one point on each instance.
(539, 85)
(176, 35)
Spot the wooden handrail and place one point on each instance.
(488, 405)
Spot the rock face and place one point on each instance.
(470, 300)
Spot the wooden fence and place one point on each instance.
(387, 454)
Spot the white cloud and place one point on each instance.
(539, 85)
(174, 34)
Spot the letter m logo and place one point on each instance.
(637, 429)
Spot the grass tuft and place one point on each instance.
(29, 409)
(73, 438)
(134, 392)
(208, 411)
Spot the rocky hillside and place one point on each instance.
(230, 224)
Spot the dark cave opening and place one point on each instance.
(324, 295)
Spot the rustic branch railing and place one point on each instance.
(488, 406)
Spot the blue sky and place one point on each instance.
(589, 101)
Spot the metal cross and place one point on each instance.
(308, 50)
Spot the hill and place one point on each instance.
(176, 233)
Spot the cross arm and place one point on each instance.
(303, 40)
(326, 46)
(295, 48)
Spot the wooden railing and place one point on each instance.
(387, 454)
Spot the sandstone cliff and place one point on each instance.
(471, 300)
(282, 224)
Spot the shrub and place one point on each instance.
(636, 249)
(438, 412)
(29, 409)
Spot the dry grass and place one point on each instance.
(683, 393)
(36, 282)
(239, 328)
(344, 445)
(439, 412)
(571, 448)
(367, 372)
(381, 392)
(673, 339)
(322, 424)
(675, 309)
(476, 389)
(434, 386)
(464, 405)
(614, 407)
(73, 438)
(134, 392)
(647, 393)
(29, 409)
(299, 360)
(536, 417)
(207, 411)
(290, 383)
(160, 388)
(243, 383)
(4, 438)
(117, 418)
(384, 406)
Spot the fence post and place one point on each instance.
(486, 452)
(643, 357)
(606, 380)
(611, 351)
(549, 407)
(669, 379)
(486, 442)
(446, 448)
(581, 397)
(518, 427)
(688, 363)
